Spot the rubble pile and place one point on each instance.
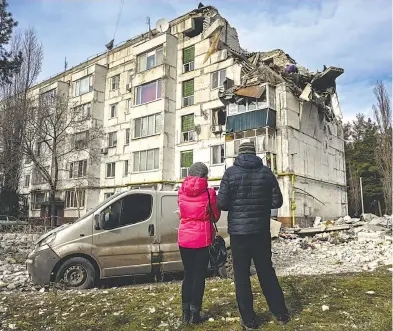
(14, 248)
(359, 244)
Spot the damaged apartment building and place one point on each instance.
(186, 92)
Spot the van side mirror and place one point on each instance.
(97, 222)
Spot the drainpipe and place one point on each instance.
(293, 204)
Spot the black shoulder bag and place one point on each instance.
(217, 251)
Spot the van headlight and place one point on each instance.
(46, 241)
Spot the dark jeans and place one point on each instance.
(256, 247)
(195, 262)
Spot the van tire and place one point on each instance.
(226, 271)
(77, 273)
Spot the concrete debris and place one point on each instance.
(275, 228)
(276, 67)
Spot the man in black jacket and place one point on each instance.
(248, 191)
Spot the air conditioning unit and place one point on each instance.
(216, 128)
(104, 150)
(129, 87)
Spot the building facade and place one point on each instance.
(188, 92)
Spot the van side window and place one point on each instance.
(136, 208)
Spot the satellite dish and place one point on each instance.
(109, 45)
(162, 25)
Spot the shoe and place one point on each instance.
(251, 326)
(195, 316)
(283, 318)
(186, 313)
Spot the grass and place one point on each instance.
(157, 306)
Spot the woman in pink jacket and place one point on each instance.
(195, 236)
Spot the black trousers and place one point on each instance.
(195, 262)
(256, 247)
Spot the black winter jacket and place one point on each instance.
(248, 191)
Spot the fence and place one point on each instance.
(26, 229)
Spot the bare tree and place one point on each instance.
(14, 94)
(383, 116)
(354, 189)
(57, 133)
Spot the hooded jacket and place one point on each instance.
(248, 191)
(195, 229)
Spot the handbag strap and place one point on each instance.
(211, 212)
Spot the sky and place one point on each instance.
(355, 35)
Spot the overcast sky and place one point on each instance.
(353, 34)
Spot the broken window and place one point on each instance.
(186, 160)
(110, 170)
(218, 154)
(83, 112)
(219, 116)
(146, 160)
(127, 138)
(81, 140)
(188, 58)
(83, 85)
(150, 59)
(218, 78)
(37, 198)
(247, 104)
(188, 93)
(125, 169)
(112, 139)
(115, 82)
(78, 169)
(148, 92)
(187, 128)
(75, 198)
(48, 98)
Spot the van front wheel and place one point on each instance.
(76, 272)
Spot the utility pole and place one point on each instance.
(361, 194)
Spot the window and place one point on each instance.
(218, 78)
(148, 92)
(78, 169)
(81, 140)
(113, 110)
(150, 59)
(188, 93)
(219, 116)
(132, 209)
(186, 160)
(110, 170)
(37, 198)
(83, 112)
(48, 98)
(146, 160)
(27, 180)
(115, 82)
(38, 177)
(247, 104)
(127, 138)
(38, 148)
(75, 198)
(125, 169)
(187, 128)
(107, 195)
(83, 85)
(188, 58)
(218, 154)
(147, 126)
(112, 139)
(129, 106)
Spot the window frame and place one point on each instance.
(218, 72)
(71, 197)
(113, 109)
(138, 92)
(157, 126)
(34, 201)
(127, 137)
(190, 64)
(190, 98)
(182, 168)
(156, 154)
(126, 168)
(112, 172)
(112, 139)
(148, 54)
(77, 82)
(222, 157)
(26, 181)
(115, 82)
(76, 166)
(78, 146)
(191, 134)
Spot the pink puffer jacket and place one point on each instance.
(196, 230)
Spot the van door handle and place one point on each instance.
(151, 230)
(82, 235)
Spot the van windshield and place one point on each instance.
(92, 210)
